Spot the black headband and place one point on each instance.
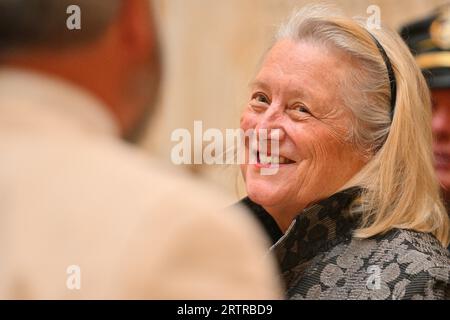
(391, 75)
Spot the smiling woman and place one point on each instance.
(355, 190)
(292, 93)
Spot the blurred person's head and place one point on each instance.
(326, 84)
(115, 54)
(429, 40)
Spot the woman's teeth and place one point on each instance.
(274, 160)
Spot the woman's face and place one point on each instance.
(298, 91)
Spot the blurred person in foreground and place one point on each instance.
(429, 41)
(82, 213)
(354, 210)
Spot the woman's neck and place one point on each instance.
(284, 215)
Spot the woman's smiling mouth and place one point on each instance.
(267, 160)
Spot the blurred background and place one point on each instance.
(212, 49)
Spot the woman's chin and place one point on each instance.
(263, 196)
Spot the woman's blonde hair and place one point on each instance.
(400, 189)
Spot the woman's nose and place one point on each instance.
(270, 125)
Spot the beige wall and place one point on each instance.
(211, 50)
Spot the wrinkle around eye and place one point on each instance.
(258, 106)
(297, 115)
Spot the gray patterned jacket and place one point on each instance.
(320, 259)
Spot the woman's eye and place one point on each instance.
(301, 108)
(260, 98)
